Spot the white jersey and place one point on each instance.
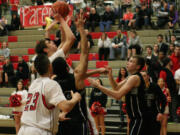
(41, 109)
(58, 53)
(23, 94)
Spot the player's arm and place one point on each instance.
(67, 105)
(80, 70)
(96, 71)
(131, 83)
(113, 83)
(67, 35)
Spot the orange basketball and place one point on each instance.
(61, 8)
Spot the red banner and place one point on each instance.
(35, 15)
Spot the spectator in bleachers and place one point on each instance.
(149, 54)
(32, 73)
(171, 49)
(155, 50)
(22, 71)
(8, 73)
(156, 5)
(3, 28)
(4, 51)
(103, 44)
(173, 40)
(126, 4)
(40, 2)
(107, 19)
(15, 22)
(118, 46)
(163, 15)
(94, 20)
(175, 58)
(138, 17)
(161, 57)
(146, 12)
(97, 106)
(134, 44)
(14, 6)
(126, 21)
(123, 74)
(162, 46)
(173, 16)
(170, 83)
(89, 38)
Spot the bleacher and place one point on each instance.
(22, 43)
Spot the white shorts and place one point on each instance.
(28, 130)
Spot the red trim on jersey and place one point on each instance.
(44, 102)
(15, 112)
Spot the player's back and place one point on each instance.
(38, 111)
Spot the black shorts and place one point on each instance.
(137, 47)
(73, 128)
(144, 126)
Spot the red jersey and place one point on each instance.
(13, 5)
(176, 62)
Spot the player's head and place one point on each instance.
(45, 46)
(135, 64)
(60, 67)
(42, 64)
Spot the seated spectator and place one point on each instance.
(123, 74)
(89, 38)
(3, 28)
(161, 57)
(22, 71)
(146, 12)
(138, 18)
(33, 73)
(175, 58)
(156, 5)
(173, 16)
(162, 46)
(94, 19)
(171, 49)
(126, 4)
(134, 44)
(155, 50)
(8, 73)
(107, 20)
(163, 15)
(118, 46)
(103, 44)
(126, 22)
(4, 51)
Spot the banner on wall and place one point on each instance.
(35, 15)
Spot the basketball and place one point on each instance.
(61, 8)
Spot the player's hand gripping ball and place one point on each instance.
(60, 7)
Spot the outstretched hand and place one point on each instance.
(103, 70)
(76, 96)
(80, 21)
(93, 82)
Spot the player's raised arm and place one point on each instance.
(131, 83)
(49, 28)
(80, 70)
(66, 34)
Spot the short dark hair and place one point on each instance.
(41, 64)
(150, 47)
(166, 61)
(160, 35)
(140, 61)
(40, 46)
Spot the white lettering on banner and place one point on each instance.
(45, 12)
(24, 11)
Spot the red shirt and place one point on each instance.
(176, 62)
(13, 6)
(128, 16)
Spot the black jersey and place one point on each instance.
(135, 100)
(79, 112)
